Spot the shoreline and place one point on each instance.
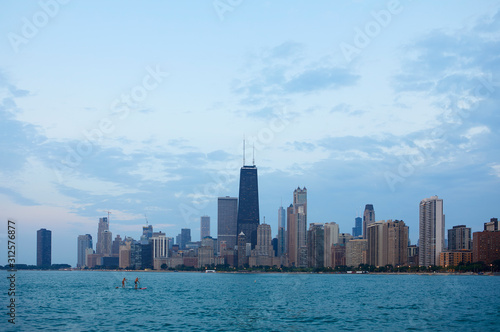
(275, 272)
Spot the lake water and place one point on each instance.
(89, 301)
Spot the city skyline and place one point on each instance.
(144, 111)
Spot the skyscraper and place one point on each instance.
(147, 231)
(316, 245)
(431, 231)
(331, 238)
(264, 246)
(84, 242)
(248, 204)
(355, 252)
(159, 245)
(377, 236)
(242, 257)
(357, 230)
(204, 227)
(44, 247)
(227, 217)
(185, 238)
(104, 238)
(281, 231)
(368, 218)
(297, 229)
(115, 247)
(397, 245)
(459, 238)
(486, 244)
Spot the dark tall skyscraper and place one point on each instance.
(357, 230)
(43, 247)
(185, 237)
(227, 217)
(368, 218)
(147, 231)
(248, 208)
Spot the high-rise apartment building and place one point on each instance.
(397, 243)
(316, 245)
(297, 229)
(338, 255)
(227, 217)
(248, 204)
(44, 247)
(492, 225)
(486, 244)
(368, 218)
(160, 244)
(331, 238)
(459, 238)
(84, 242)
(387, 243)
(431, 231)
(204, 227)
(376, 234)
(355, 252)
(104, 238)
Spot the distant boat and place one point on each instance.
(209, 271)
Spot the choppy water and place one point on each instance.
(294, 302)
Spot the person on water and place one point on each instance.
(136, 281)
(123, 282)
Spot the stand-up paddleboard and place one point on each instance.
(130, 288)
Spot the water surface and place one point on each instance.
(90, 301)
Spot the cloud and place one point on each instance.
(281, 76)
(285, 50)
(495, 168)
(321, 78)
(153, 169)
(474, 131)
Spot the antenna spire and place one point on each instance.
(253, 154)
(243, 150)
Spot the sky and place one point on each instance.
(140, 108)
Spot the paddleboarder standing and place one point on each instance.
(136, 281)
(123, 282)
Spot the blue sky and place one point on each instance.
(140, 108)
